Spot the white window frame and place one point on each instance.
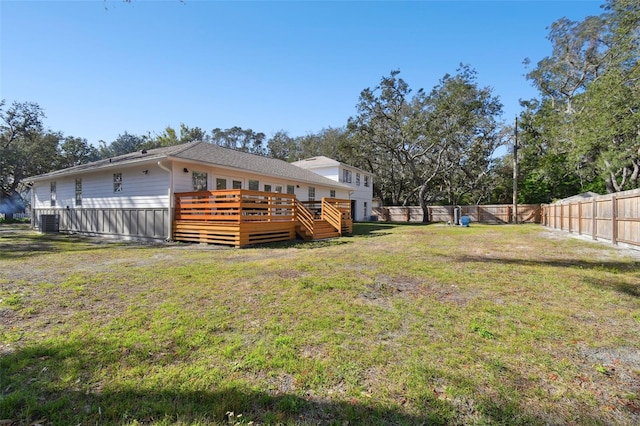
(53, 197)
(79, 192)
(200, 181)
(219, 181)
(117, 182)
(346, 175)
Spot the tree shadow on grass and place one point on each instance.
(19, 243)
(65, 383)
(372, 229)
(609, 268)
(360, 230)
(35, 387)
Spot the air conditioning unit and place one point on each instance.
(49, 223)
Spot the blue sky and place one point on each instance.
(100, 68)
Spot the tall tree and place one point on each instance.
(191, 134)
(609, 122)
(171, 136)
(283, 147)
(588, 115)
(23, 150)
(386, 137)
(124, 144)
(75, 151)
(423, 147)
(241, 139)
(465, 117)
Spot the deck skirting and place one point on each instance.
(236, 234)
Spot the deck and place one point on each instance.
(240, 217)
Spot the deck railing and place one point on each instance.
(305, 217)
(234, 206)
(331, 214)
(241, 217)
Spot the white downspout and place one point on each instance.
(171, 205)
(33, 206)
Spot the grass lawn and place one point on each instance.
(398, 324)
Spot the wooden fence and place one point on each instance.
(495, 213)
(611, 217)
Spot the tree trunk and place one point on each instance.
(423, 204)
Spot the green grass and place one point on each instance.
(398, 324)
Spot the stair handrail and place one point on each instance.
(332, 214)
(303, 216)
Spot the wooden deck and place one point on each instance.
(240, 217)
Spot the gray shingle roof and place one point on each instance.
(203, 153)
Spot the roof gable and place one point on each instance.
(321, 161)
(316, 162)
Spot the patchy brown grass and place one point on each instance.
(399, 324)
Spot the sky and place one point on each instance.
(100, 68)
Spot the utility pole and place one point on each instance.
(515, 175)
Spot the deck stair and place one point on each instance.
(323, 229)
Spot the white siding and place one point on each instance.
(328, 172)
(360, 194)
(139, 190)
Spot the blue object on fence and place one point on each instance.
(465, 220)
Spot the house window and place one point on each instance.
(237, 184)
(291, 189)
(53, 194)
(254, 185)
(279, 189)
(366, 181)
(199, 180)
(332, 193)
(346, 176)
(221, 183)
(312, 193)
(358, 179)
(267, 188)
(365, 209)
(117, 182)
(78, 192)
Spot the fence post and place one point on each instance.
(579, 217)
(594, 214)
(614, 220)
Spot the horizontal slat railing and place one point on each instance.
(234, 206)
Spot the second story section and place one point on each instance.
(360, 181)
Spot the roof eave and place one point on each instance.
(77, 170)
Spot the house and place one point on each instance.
(360, 182)
(192, 192)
